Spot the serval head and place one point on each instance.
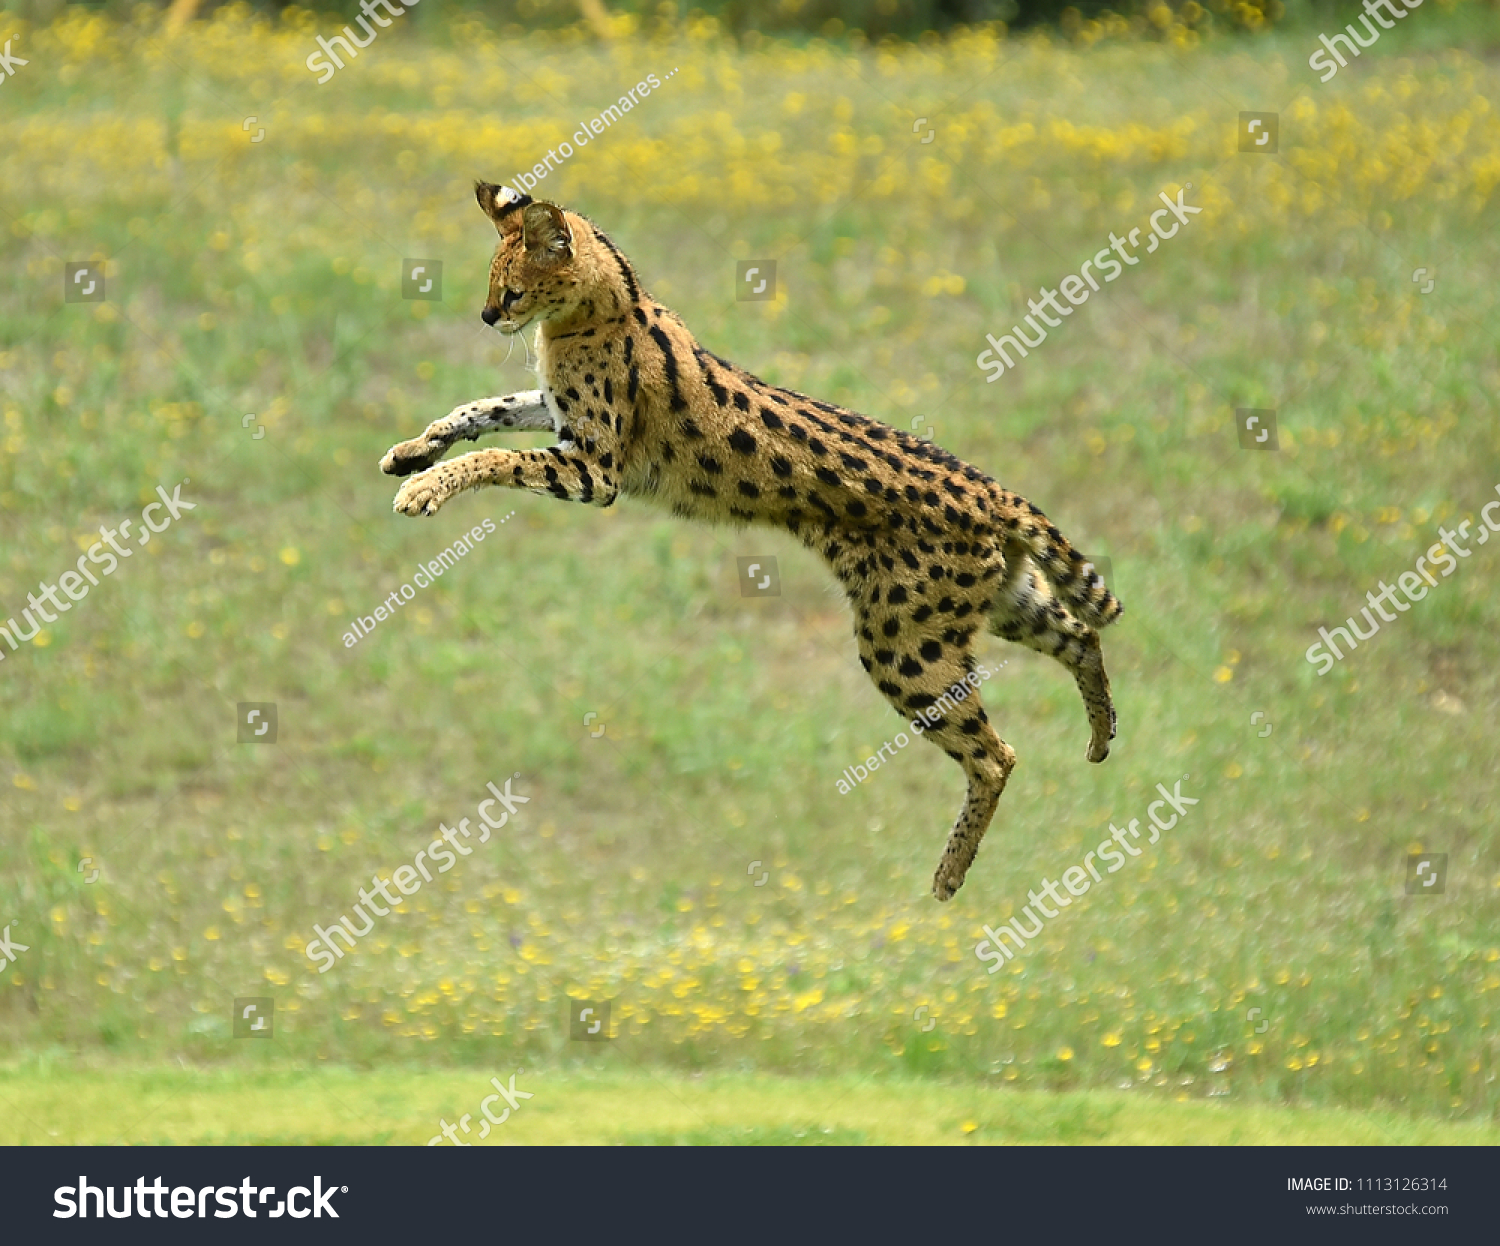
(551, 265)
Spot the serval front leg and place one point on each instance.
(561, 471)
(466, 423)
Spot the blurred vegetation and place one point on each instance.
(1086, 21)
(265, 277)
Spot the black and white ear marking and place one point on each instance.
(499, 202)
(508, 198)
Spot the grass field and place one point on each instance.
(767, 944)
(624, 1106)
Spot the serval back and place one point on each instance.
(928, 549)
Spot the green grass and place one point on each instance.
(265, 279)
(661, 1107)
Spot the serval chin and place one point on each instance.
(927, 548)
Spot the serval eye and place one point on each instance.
(510, 297)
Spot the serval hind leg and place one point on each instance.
(1028, 612)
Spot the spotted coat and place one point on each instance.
(928, 549)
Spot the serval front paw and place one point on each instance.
(411, 456)
(423, 495)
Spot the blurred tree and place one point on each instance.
(1082, 19)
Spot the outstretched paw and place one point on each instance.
(411, 456)
(422, 495)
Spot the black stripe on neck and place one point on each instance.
(626, 272)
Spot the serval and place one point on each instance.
(928, 549)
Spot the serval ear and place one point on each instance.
(501, 204)
(546, 231)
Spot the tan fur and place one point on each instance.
(928, 549)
